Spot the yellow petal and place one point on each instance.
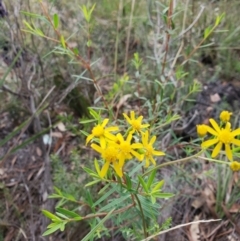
(117, 169)
(215, 125)
(217, 149)
(208, 143)
(129, 137)
(211, 130)
(158, 153)
(127, 118)
(132, 115)
(236, 132)
(104, 169)
(97, 148)
(120, 137)
(153, 139)
(102, 142)
(105, 121)
(112, 128)
(137, 146)
(145, 126)
(121, 159)
(89, 138)
(153, 161)
(228, 152)
(144, 139)
(147, 162)
(110, 136)
(235, 142)
(137, 155)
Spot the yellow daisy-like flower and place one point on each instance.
(136, 124)
(126, 149)
(109, 154)
(225, 116)
(224, 136)
(99, 131)
(202, 130)
(149, 150)
(235, 166)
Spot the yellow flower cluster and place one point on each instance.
(116, 150)
(222, 135)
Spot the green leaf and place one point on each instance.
(97, 166)
(68, 213)
(63, 41)
(153, 199)
(143, 184)
(94, 114)
(75, 51)
(163, 195)
(95, 228)
(158, 186)
(55, 20)
(207, 32)
(219, 19)
(151, 178)
(28, 25)
(53, 229)
(92, 183)
(128, 182)
(51, 215)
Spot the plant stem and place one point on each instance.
(143, 219)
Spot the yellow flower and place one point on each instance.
(109, 154)
(222, 136)
(136, 124)
(235, 166)
(202, 130)
(149, 150)
(126, 149)
(225, 116)
(99, 131)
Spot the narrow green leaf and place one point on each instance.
(158, 186)
(153, 199)
(163, 195)
(92, 183)
(151, 178)
(62, 216)
(63, 41)
(143, 184)
(95, 228)
(97, 166)
(94, 114)
(68, 213)
(207, 32)
(50, 215)
(128, 182)
(52, 230)
(28, 25)
(62, 226)
(57, 190)
(55, 20)
(76, 51)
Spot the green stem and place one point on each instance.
(143, 219)
(174, 162)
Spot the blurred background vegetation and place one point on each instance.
(44, 91)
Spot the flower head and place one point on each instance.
(126, 149)
(223, 136)
(109, 154)
(99, 131)
(136, 124)
(225, 116)
(202, 130)
(235, 166)
(149, 149)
